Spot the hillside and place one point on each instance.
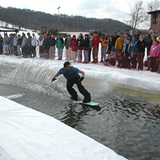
(35, 20)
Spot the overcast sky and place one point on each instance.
(115, 9)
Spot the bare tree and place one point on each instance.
(137, 15)
(153, 5)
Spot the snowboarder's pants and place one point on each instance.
(81, 88)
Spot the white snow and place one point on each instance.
(41, 71)
(26, 134)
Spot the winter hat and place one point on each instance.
(74, 36)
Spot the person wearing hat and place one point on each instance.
(95, 46)
(72, 75)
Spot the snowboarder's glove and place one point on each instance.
(82, 78)
(53, 79)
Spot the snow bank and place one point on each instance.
(26, 134)
(40, 71)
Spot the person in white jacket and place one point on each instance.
(33, 43)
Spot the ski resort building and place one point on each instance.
(155, 19)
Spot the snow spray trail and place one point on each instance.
(34, 76)
(37, 74)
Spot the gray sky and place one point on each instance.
(115, 9)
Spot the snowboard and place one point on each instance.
(89, 103)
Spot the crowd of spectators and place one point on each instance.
(123, 50)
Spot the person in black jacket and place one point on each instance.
(79, 48)
(51, 43)
(19, 45)
(141, 45)
(45, 46)
(86, 48)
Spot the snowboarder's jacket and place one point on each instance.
(71, 74)
(119, 43)
(95, 41)
(59, 43)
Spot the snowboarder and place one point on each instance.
(72, 75)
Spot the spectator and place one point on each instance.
(74, 48)
(60, 46)
(45, 46)
(134, 51)
(141, 45)
(95, 45)
(28, 45)
(126, 53)
(11, 48)
(6, 42)
(19, 45)
(90, 48)
(52, 43)
(1, 44)
(15, 44)
(79, 48)
(24, 45)
(86, 48)
(68, 43)
(154, 53)
(104, 47)
(33, 45)
(119, 46)
(40, 43)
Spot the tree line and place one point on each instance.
(34, 20)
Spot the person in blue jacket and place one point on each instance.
(134, 51)
(72, 75)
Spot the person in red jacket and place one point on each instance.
(74, 48)
(95, 45)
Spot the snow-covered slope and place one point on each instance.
(26, 134)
